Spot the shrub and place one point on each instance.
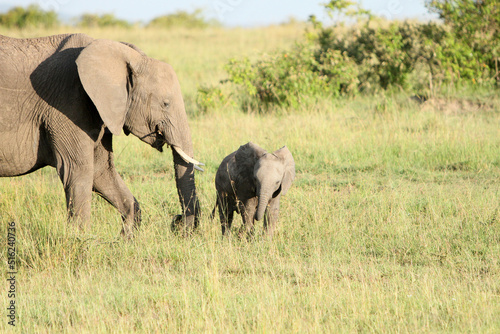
(288, 78)
(101, 21)
(383, 54)
(183, 19)
(475, 25)
(368, 56)
(388, 55)
(210, 98)
(32, 16)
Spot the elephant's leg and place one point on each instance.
(72, 150)
(77, 182)
(271, 216)
(109, 185)
(248, 209)
(112, 188)
(226, 212)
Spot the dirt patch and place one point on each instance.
(455, 106)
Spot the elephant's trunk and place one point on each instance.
(184, 178)
(264, 198)
(178, 136)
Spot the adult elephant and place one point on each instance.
(63, 97)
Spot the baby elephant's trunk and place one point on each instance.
(262, 206)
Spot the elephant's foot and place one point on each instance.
(127, 231)
(183, 225)
(128, 226)
(247, 233)
(78, 222)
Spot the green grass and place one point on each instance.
(392, 224)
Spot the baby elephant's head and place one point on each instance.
(273, 175)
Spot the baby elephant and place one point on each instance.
(251, 181)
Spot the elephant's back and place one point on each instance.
(224, 172)
(24, 52)
(233, 176)
(19, 58)
(47, 43)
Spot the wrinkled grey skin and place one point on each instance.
(62, 98)
(251, 181)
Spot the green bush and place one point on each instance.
(101, 21)
(32, 16)
(183, 19)
(383, 54)
(210, 98)
(475, 25)
(375, 55)
(288, 78)
(388, 55)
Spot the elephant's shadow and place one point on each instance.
(62, 96)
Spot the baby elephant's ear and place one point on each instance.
(289, 175)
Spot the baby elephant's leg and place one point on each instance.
(271, 216)
(226, 212)
(248, 208)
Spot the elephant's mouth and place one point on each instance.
(156, 139)
(159, 141)
(159, 138)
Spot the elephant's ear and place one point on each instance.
(104, 68)
(289, 175)
(247, 155)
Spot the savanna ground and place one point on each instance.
(392, 224)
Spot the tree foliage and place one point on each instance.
(32, 16)
(105, 20)
(368, 56)
(474, 23)
(184, 19)
(289, 78)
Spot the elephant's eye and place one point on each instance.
(166, 104)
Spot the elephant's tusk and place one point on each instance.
(198, 168)
(188, 159)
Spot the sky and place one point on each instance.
(244, 13)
